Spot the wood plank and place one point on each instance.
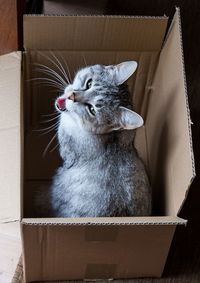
(8, 26)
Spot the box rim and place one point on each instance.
(164, 17)
(108, 221)
(187, 108)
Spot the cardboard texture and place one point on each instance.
(10, 136)
(100, 248)
(172, 151)
(89, 256)
(93, 33)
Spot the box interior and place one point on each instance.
(152, 88)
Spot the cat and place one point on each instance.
(102, 174)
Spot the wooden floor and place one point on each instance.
(183, 265)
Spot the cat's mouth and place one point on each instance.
(61, 102)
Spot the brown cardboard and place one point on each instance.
(168, 127)
(141, 257)
(102, 248)
(89, 33)
(10, 127)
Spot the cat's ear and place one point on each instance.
(123, 71)
(129, 119)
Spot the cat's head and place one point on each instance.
(98, 99)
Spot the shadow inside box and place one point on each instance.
(183, 263)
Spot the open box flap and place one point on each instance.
(94, 33)
(10, 77)
(168, 127)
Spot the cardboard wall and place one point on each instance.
(94, 33)
(95, 252)
(10, 136)
(168, 128)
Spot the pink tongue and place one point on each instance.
(61, 103)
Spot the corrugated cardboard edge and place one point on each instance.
(166, 220)
(178, 18)
(91, 15)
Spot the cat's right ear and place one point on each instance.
(123, 71)
(129, 119)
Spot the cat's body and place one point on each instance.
(102, 174)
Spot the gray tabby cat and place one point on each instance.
(102, 174)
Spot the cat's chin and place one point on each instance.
(61, 111)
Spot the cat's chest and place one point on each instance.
(73, 138)
(69, 126)
(98, 174)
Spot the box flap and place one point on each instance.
(169, 136)
(94, 33)
(10, 77)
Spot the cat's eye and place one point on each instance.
(89, 84)
(91, 109)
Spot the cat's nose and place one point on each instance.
(61, 103)
(72, 96)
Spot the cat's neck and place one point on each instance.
(87, 145)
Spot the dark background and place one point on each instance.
(183, 264)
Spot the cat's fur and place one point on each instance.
(102, 174)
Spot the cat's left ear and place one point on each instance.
(129, 119)
(123, 71)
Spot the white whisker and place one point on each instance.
(47, 128)
(48, 145)
(54, 147)
(51, 114)
(52, 82)
(49, 120)
(49, 85)
(61, 66)
(52, 76)
(54, 63)
(69, 78)
(51, 130)
(52, 73)
(84, 59)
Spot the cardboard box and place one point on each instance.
(96, 248)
